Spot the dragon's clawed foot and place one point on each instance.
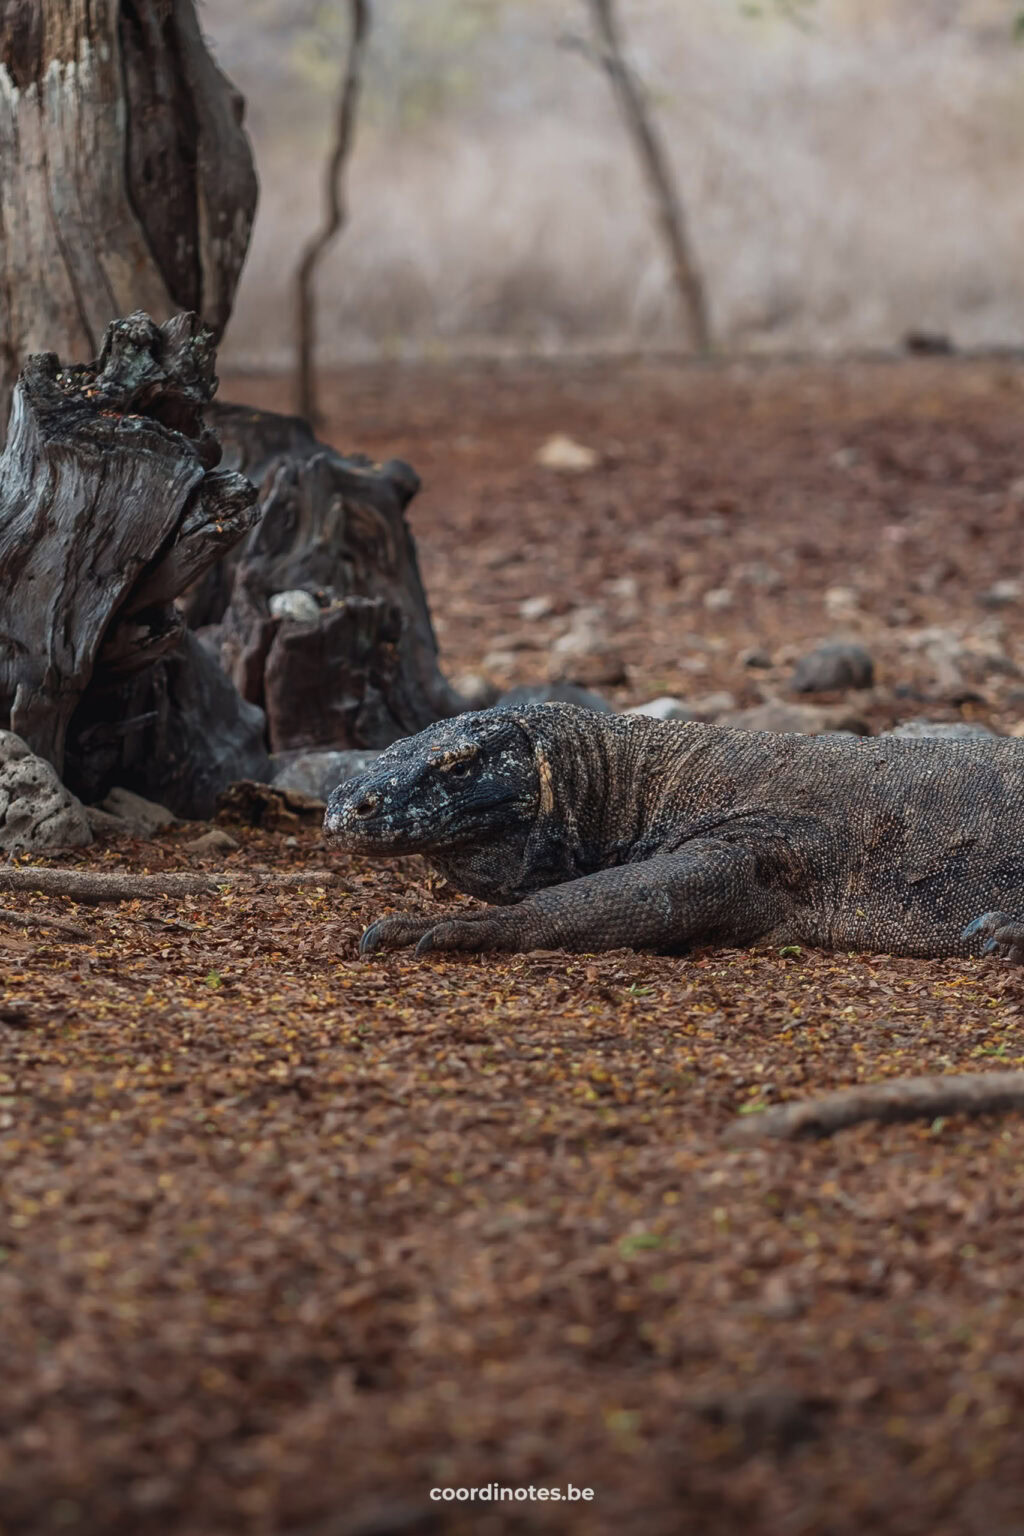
(473, 932)
(1004, 935)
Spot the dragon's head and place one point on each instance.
(468, 782)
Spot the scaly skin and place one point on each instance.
(596, 832)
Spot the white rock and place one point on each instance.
(718, 599)
(298, 606)
(36, 811)
(840, 600)
(664, 708)
(566, 455)
(535, 608)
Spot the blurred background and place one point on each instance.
(851, 169)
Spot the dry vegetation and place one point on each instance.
(287, 1239)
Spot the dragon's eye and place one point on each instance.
(460, 769)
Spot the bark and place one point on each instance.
(126, 179)
(366, 671)
(904, 1098)
(110, 502)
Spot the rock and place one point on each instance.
(718, 599)
(756, 656)
(298, 606)
(839, 664)
(475, 690)
(36, 811)
(1002, 594)
(214, 841)
(500, 661)
(535, 608)
(558, 693)
(799, 719)
(566, 455)
(587, 632)
(143, 816)
(711, 705)
(758, 573)
(601, 668)
(946, 730)
(944, 652)
(317, 773)
(664, 708)
(104, 825)
(928, 343)
(841, 600)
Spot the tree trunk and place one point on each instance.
(111, 503)
(654, 161)
(118, 521)
(126, 179)
(363, 669)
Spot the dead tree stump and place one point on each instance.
(126, 179)
(362, 672)
(111, 504)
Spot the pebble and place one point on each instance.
(718, 599)
(947, 730)
(838, 664)
(800, 719)
(664, 708)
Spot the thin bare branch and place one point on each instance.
(335, 209)
(902, 1098)
(653, 157)
(41, 920)
(86, 886)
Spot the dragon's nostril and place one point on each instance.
(365, 807)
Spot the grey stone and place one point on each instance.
(143, 816)
(663, 708)
(534, 608)
(948, 730)
(837, 665)
(475, 690)
(755, 656)
(557, 693)
(711, 706)
(718, 599)
(798, 719)
(105, 825)
(1002, 594)
(36, 811)
(317, 773)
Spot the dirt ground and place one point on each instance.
(289, 1240)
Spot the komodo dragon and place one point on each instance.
(598, 832)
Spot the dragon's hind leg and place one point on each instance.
(1003, 935)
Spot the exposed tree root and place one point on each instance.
(85, 886)
(902, 1098)
(40, 920)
